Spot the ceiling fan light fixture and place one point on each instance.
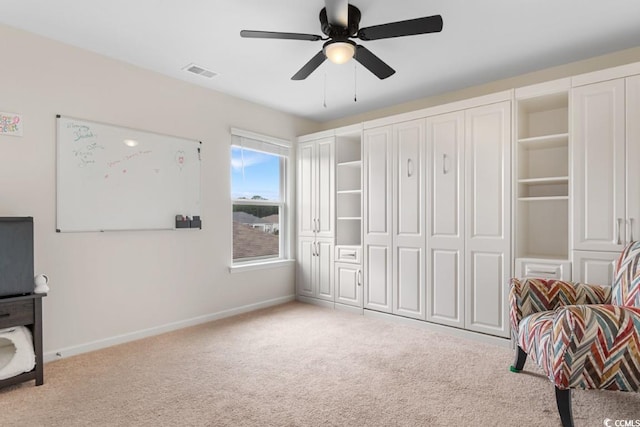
(339, 52)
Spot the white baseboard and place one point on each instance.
(144, 333)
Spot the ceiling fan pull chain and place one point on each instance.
(355, 83)
(324, 101)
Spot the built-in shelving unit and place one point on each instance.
(542, 171)
(348, 190)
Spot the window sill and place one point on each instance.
(260, 265)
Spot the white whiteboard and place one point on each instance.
(104, 184)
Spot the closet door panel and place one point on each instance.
(377, 185)
(377, 223)
(324, 262)
(325, 187)
(378, 278)
(598, 135)
(409, 188)
(445, 219)
(446, 294)
(306, 267)
(409, 289)
(409, 219)
(306, 189)
(633, 158)
(594, 268)
(488, 217)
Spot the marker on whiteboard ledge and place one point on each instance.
(196, 222)
(182, 221)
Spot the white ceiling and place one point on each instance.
(482, 41)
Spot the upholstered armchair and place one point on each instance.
(582, 336)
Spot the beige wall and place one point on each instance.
(114, 286)
(597, 63)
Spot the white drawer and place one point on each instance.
(348, 254)
(543, 268)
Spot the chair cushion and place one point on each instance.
(626, 286)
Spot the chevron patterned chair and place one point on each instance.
(582, 336)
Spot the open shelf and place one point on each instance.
(543, 182)
(349, 190)
(545, 141)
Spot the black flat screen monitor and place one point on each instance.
(16, 256)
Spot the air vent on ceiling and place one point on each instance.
(201, 71)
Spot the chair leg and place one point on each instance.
(521, 357)
(563, 400)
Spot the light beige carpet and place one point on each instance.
(300, 365)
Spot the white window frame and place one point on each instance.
(274, 146)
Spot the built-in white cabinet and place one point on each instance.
(606, 180)
(315, 268)
(316, 187)
(316, 213)
(433, 211)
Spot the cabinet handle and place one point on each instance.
(359, 277)
(409, 168)
(444, 164)
(318, 226)
(5, 314)
(315, 227)
(631, 230)
(315, 249)
(619, 223)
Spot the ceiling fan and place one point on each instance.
(340, 22)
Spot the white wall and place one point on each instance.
(108, 287)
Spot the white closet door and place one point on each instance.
(306, 189)
(598, 157)
(445, 219)
(348, 284)
(633, 158)
(324, 265)
(488, 218)
(306, 267)
(377, 192)
(408, 220)
(325, 187)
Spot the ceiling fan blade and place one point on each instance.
(337, 12)
(310, 66)
(428, 24)
(372, 63)
(277, 35)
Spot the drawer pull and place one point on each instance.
(5, 314)
(350, 255)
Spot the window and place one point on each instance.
(259, 197)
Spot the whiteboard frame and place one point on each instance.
(171, 225)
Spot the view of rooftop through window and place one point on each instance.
(257, 199)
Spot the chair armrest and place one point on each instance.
(528, 296)
(596, 346)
